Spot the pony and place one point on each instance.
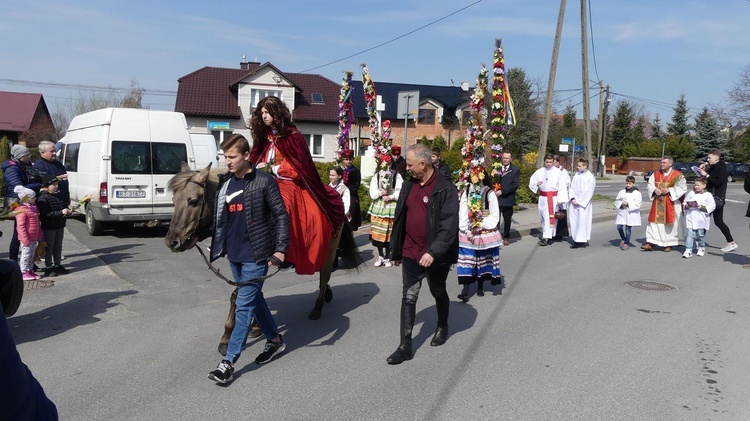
(193, 195)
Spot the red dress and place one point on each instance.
(314, 208)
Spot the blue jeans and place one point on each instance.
(250, 302)
(698, 236)
(624, 231)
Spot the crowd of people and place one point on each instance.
(38, 198)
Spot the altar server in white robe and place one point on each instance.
(546, 181)
(580, 211)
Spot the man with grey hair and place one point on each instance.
(425, 238)
(666, 188)
(48, 164)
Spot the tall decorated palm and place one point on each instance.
(379, 137)
(472, 172)
(502, 113)
(346, 115)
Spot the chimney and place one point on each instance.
(465, 86)
(244, 64)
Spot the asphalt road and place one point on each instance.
(132, 333)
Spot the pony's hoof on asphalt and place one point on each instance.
(328, 295)
(223, 349)
(314, 315)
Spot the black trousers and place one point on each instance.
(719, 222)
(507, 214)
(436, 276)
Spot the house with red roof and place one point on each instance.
(220, 101)
(25, 119)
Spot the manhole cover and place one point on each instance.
(651, 285)
(27, 285)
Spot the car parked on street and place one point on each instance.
(684, 167)
(737, 172)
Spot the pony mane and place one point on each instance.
(180, 180)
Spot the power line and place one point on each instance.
(94, 88)
(393, 39)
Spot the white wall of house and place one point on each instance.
(328, 135)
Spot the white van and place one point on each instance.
(124, 158)
(206, 151)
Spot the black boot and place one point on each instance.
(403, 352)
(441, 334)
(480, 288)
(464, 295)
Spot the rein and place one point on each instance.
(211, 267)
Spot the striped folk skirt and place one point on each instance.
(381, 221)
(479, 260)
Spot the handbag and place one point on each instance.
(560, 214)
(719, 202)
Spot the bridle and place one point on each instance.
(211, 267)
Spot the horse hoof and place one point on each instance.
(223, 349)
(314, 315)
(328, 294)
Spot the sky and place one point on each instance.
(649, 52)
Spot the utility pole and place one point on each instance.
(585, 80)
(599, 163)
(603, 127)
(551, 86)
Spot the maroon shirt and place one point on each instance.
(415, 206)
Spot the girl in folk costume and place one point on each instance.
(352, 178)
(385, 186)
(316, 211)
(29, 231)
(628, 205)
(479, 247)
(335, 177)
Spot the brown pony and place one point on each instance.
(194, 193)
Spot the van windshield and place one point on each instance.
(129, 157)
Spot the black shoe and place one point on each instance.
(576, 245)
(480, 292)
(272, 350)
(544, 242)
(61, 269)
(403, 353)
(463, 298)
(441, 335)
(50, 272)
(223, 374)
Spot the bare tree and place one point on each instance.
(739, 96)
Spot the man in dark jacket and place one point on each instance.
(510, 180)
(251, 227)
(715, 170)
(48, 164)
(425, 238)
(17, 171)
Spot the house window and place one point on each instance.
(257, 94)
(426, 116)
(317, 98)
(315, 142)
(465, 118)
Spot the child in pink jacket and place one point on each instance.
(29, 231)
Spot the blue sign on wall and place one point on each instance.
(219, 125)
(578, 148)
(569, 140)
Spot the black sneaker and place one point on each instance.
(61, 269)
(50, 272)
(272, 350)
(223, 374)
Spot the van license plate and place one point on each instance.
(126, 194)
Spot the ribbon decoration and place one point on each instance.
(346, 115)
